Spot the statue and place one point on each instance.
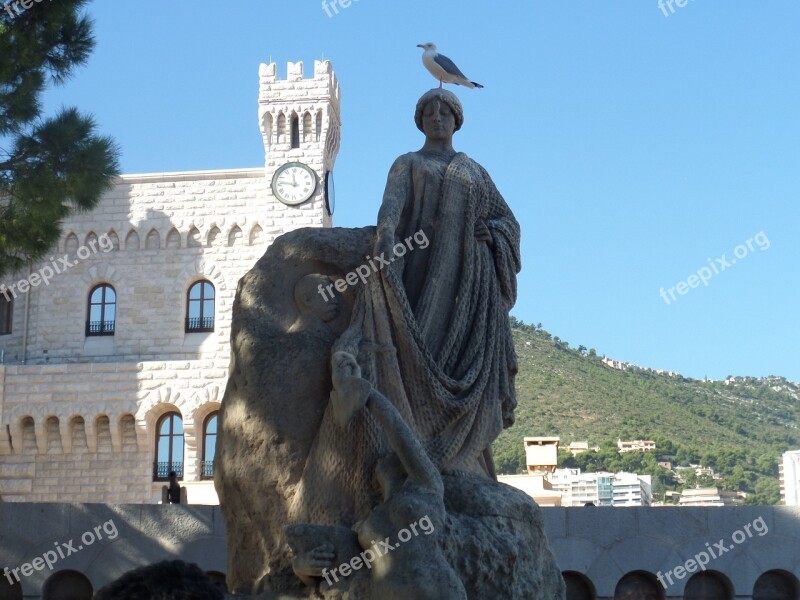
(421, 382)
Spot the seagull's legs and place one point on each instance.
(440, 83)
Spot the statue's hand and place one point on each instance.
(348, 397)
(312, 562)
(482, 233)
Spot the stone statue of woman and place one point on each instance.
(430, 327)
(424, 376)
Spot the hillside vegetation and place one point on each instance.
(740, 429)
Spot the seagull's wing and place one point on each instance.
(448, 65)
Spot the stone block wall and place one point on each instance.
(85, 432)
(77, 412)
(601, 546)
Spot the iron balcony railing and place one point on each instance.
(208, 469)
(199, 325)
(161, 470)
(100, 327)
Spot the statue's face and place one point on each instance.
(438, 121)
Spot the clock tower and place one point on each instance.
(300, 121)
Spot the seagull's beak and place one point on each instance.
(420, 45)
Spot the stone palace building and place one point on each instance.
(112, 370)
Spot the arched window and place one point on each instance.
(281, 129)
(295, 131)
(209, 444)
(639, 585)
(776, 585)
(67, 584)
(708, 585)
(200, 307)
(102, 314)
(579, 587)
(6, 312)
(169, 447)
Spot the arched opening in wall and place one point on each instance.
(132, 240)
(295, 131)
(639, 585)
(67, 585)
(101, 316)
(213, 236)
(579, 587)
(193, 240)
(102, 427)
(234, 236)
(153, 240)
(29, 445)
(268, 128)
(708, 585)
(173, 239)
(281, 129)
(777, 585)
(91, 241)
(71, 244)
(219, 580)
(307, 130)
(169, 447)
(256, 235)
(209, 444)
(200, 307)
(10, 591)
(77, 432)
(318, 128)
(127, 426)
(113, 239)
(6, 314)
(53, 429)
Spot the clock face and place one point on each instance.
(330, 193)
(294, 183)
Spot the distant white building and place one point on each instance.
(630, 489)
(602, 489)
(550, 486)
(701, 497)
(578, 447)
(541, 454)
(789, 470)
(636, 445)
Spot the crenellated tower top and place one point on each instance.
(300, 122)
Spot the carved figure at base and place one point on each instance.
(399, 556)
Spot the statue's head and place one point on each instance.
(435, 98)
(311, 301)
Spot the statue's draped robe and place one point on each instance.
(430, 332)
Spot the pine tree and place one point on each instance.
(52, 166)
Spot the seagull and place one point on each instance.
(444, 69)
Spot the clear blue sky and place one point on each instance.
(632, 146)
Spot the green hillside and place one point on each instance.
(739, 429)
